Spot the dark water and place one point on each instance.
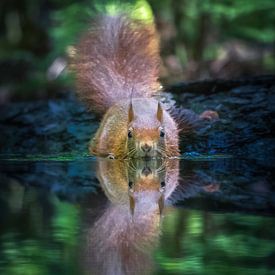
(66, 217)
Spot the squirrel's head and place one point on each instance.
(146, 134)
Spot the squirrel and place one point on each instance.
(116, 64)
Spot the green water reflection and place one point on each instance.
(46, 232)
(38, 233)
(198, 242)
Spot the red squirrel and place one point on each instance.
(117, 67)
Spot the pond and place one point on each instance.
(87, 216)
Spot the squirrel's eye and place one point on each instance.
(161, 133)
(130, 134)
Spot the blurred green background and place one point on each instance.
(199, 40)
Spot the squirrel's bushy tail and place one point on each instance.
(118, 58)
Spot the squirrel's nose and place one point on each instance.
(146, 148)
(146, 171)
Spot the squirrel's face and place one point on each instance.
(146, 135)
(147, 187)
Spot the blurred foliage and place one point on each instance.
(40, 235)
(211, 38)
(200, 39)
(196, 242)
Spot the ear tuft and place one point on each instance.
(132, 204)
(130, 113)
(159, 113)
(161, 204)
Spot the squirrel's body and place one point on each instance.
(117, 66)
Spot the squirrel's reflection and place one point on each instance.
(122, 239)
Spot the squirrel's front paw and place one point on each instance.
(209, 115)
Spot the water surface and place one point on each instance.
(57, 218)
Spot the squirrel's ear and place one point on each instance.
(130, 113)
(159, 112)
(132, 204)
(161, 204)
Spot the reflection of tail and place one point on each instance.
(117, 244)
